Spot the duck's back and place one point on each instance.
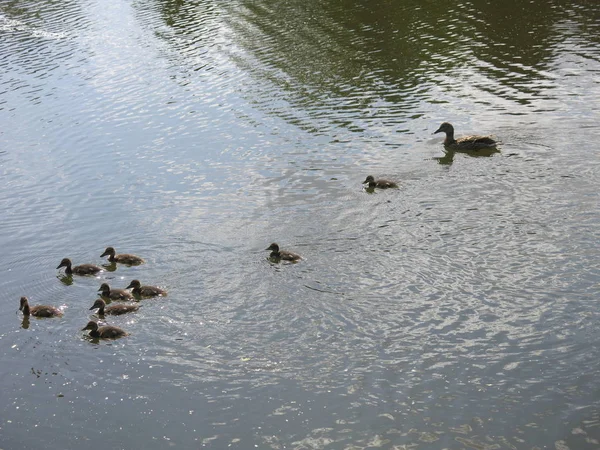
(126, 258)
(117, 310)
(289, 256)
(385, 184)
(120, 294)
(152, 291)
(45, 311)
(474, 142)
(86, 269)
(110, 332)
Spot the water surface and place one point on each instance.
(458, 311)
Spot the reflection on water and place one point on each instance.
(448, 157)
(455, 312)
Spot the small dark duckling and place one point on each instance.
(114, 294)
(124, 258)
(104, 332)
(465, 142)
(381, 183)
(83, 269)
(145, 291)
(38, 310)
(282, 254)
(114, 310)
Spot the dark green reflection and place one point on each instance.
(383, 58)
(448, 157)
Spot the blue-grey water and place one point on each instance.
(458, 311)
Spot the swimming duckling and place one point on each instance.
(38, 310)
(381, 183)
(104, 332)
(83, 269)
(124, 258)
(115, 310)
(282, 254)
(145, 291)
(114, 294)
(465, 142)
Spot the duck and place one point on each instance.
(114, 310)
(381, 183)
(114, 294)
(83, 269)
(105, 331)
(466, 142)
(38, 310)
(145, 291)
(123, 258)
(282, 254)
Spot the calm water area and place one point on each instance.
(459, 311)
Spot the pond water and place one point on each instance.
(458, 311)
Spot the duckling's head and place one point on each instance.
(66, 262)
(446, 127)
(98, 304)
(91, 325)
(110, 251)
(104, 287)
(370, 179)
(134, 284)
(24, 301)
(273, 247)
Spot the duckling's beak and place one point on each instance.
(84, 328)
(439, 130)
(130, 286)
(103, 254)
(60, 265)
(93, 307)
(99, 289)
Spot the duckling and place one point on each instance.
(465, 142)
(381, 183)
(282, 254)
(104, 332)
(115, 310)
(38, 310)
(83, 269)
(124, 258)
(114, 294)
(145, 291)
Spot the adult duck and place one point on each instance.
(83, 269)
(123, 258)
(105, 331)
(380, 183)
(285, 255)
(38, 310)
(145, 291)
(114, 294)
(466, 142)
(114, 310)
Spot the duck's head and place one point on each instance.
(273, 247)
(24, 301)
(110, 251)
(446, 127)
(369, 179)
(134, 284)
(91, 325)
(98, 304)
(104, 287)
(66, 262)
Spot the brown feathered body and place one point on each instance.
(38, 310)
